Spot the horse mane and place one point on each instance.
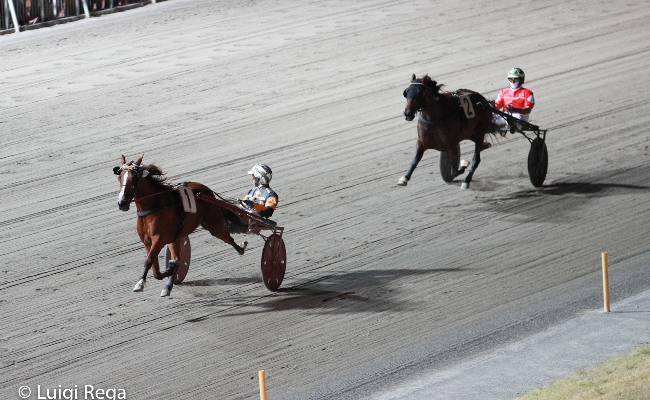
(427, 81)
(156, 175)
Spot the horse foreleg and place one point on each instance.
(151, 262)
(419, 152)
(139, 287)
(476, 160)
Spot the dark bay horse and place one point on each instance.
(161, 216)
(444, 120)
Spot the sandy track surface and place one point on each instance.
(382, 282)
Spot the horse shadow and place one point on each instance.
(340, 293)
(558, 201)
(587, 189)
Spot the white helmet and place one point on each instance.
(261, 172)
(517, 73)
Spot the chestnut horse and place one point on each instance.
(162, 219)
(444, 120)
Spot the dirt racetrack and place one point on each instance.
(383, 282)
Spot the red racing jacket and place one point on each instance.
(518, 98)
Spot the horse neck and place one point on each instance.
(146, 191)
(435, 109)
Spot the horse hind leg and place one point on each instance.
(454, 161)
(225, 236)
(170, 272)
(241, 247)
(463, 166)
(220, 232)
(173, 262)
(172, 267)
(476, 160)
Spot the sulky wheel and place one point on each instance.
(537, 162)
(449, 166)
(274, 262)
(183, 258)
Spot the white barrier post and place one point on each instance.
(86, 12)
(12, 11)
(153, 1)
(605, 282)
(262, 385)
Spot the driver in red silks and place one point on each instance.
(515, 100)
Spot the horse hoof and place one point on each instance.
(139, 286)
(243, 246)
(403, 181)
(464, 186)
(464, 163)
(165, 293)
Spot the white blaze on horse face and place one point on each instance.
(120, 199)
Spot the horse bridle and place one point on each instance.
(419, 98)
(421, 101)
(139, 172)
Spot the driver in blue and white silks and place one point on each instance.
(261, 199)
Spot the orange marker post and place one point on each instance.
(262, 385)
(605, 282)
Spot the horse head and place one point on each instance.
(128, 175)
(420, 93)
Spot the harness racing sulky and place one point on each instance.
(168, 214)
(445, 119)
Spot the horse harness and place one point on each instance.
(175, 202)
(456, 109)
